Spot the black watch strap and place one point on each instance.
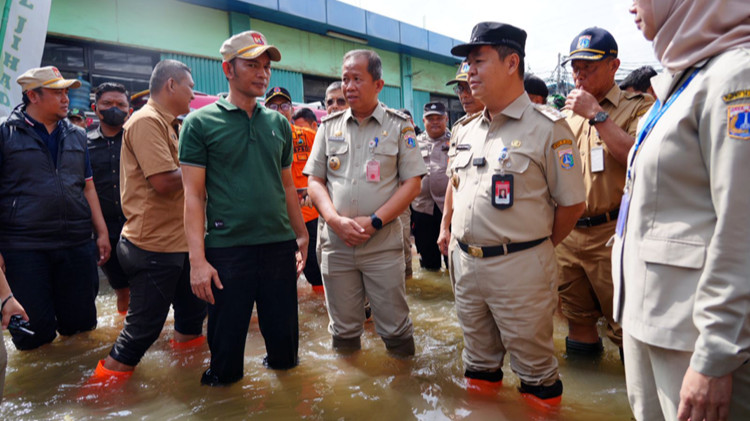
(377, 223)
(599, 117)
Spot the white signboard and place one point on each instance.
(24, 29)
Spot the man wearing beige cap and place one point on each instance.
(48, 204)
(246, 235)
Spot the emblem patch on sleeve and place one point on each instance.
(738, 121)
(565, 155)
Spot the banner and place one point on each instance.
(23, 31)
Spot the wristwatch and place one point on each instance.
(377, 223)
(599, 117)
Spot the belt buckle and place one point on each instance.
(475, 251)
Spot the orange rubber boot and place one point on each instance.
(483, 387)
(319, 289)
(193, 343)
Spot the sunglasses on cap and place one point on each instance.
(284, 107)
(339, 101)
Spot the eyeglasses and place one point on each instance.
(284, 107)
(459, 89)
(339, 101)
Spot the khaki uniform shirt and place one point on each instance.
(435, 155)
(604, 188)
(684, 255)
(341, 152)
(149, 147)
(452, 148)
(543, 160)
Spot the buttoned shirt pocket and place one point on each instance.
(460, 165)
(387, 153)
(338, 155)
(690, 254)
(516, 163)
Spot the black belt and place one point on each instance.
(593, 221)
(502, 250)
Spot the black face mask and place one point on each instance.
(113, 116)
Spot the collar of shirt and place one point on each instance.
(514, 110)
(41, 129)
(613, 95)
(228, 106)
(378, 114)
(665, 83)
(166, 115)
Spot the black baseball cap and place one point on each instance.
(434, 108)
(278, 91)
(592, 44)
(76, 113)
(535, 86)
(493, 33)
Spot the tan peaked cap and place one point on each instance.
(45, 77)
(248, 45)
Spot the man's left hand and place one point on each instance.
(704, 397)
(582, 103)
(301, 253)
(102, 244)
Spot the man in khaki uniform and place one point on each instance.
(364, 170)
(604, 121)
(517, 192)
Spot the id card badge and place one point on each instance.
(502, 191)
(373, 171)
(622, 216)
(597, 159)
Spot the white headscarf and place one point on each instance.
(689, 31)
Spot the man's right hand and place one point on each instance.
(201, 276)
(443, 240)
(348, 230)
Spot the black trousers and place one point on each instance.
(113, 270)
(312, 269)
(426, 232)
(157, 280)
(57, 288)
(265, 274)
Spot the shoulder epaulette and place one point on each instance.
(549, 112)
(397, 113)
(631, 95)
(466, 118)
(331, 116)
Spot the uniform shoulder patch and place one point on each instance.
(549, 112)
(631, 95)
(397, 113)
(738, 121)
(736, 95)
(332, 116)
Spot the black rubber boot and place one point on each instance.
(403, 347)
(346, 344)
(543, 392)
(490, 376)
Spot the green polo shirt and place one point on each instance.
(243, 157)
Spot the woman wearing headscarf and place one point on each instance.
(681, 258)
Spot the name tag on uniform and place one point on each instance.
(597, 159)
(336, 139)
(373, 171)
(463, 147)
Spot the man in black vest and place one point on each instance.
(47, 206)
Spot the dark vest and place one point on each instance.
(42, 207)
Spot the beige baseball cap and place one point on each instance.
(248, 45)
(45, 77)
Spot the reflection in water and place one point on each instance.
(50, 383)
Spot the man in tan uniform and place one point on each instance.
(604, 120)
(364, 170)
(517, 192)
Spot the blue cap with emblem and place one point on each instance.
(592, 44)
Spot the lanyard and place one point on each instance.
(656, 112)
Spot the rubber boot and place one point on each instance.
(582, 348)
(193, 343)
(402, 347)
(318, 289)
(543, 398)
(346, 344)
(486, 383)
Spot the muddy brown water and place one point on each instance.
(50, 383)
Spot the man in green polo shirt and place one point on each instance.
(246, 236)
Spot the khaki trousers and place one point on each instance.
(654, 377)
(506, 303)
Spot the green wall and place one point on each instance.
(164, 25)
(430, 76)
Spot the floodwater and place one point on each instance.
(50, 383)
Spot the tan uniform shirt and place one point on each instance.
(604, 186)
(543, 160)
(149, 147)
(435, 155)
(452, 148)
(341, 152)
(683, 263)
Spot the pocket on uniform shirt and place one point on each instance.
(516, 163)
(673, 252)
(386, 153)
(340, 150)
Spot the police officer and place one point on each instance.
(364, 170)
(517, 191)
(427, 208)
(604, 121)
